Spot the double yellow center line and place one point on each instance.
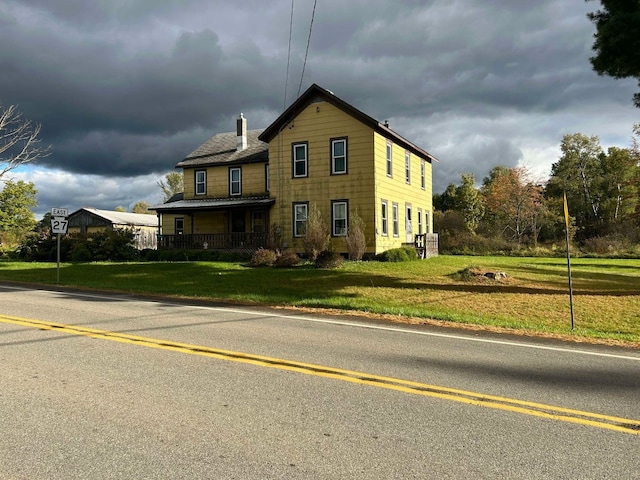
(608, 422)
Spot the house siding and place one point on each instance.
(394, 189)
(317, 124)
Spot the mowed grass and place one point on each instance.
(533, 299)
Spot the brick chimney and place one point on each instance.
(242, 133)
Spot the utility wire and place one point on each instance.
(286, 82)
(313, 14)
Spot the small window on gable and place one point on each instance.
(338, 156)
(339, 220)
(300, 160)
(235, 181)
(201, 182)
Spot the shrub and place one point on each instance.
(402, 254)
(355, 240)
(274, 238)
(287, 259)
(329, 259)
(316, 238)
(263, 258)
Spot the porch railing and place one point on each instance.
(212, 241)
(426, 245)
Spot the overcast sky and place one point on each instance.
(125, 89)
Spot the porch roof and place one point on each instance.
(183, 206)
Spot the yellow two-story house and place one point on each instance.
(321, 153)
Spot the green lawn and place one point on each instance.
(533, 299)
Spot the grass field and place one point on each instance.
(533, 299)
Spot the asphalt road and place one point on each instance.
(97, 386)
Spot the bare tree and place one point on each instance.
(19, 142)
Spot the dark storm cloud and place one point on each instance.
(127, 88)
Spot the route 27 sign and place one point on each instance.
(59, 222)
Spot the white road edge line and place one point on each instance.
(353, 324)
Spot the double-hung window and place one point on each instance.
(300, 214)
(201, 182)
(396, 220)
(235, 181)
(339, 220)
(300, 159)
(407, 167)
(384, 218)
(338, 156)
(389, 160)
(419, 221)
(422, 175)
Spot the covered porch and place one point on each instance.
(214, 224)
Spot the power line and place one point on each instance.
(286, 82)
(313, 14)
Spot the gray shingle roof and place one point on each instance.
(221, 149)
(212, 204)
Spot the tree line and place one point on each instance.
(510, 210)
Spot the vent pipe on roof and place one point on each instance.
(242, 133)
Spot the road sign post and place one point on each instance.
(59, 225)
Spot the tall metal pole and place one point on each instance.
(566, 230)
(58, 269)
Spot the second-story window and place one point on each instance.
(422, 175)
(407, 167)
(300, 159)
(338, 156)
(267, 178)
(235, 181)
(389, 160)
(201, 182)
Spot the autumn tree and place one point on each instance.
(141, 207)
(172, 184)
(577, 172)
(619, 185)
(514, 203)
(16, 218)
(617, 42)
(19, 142)
(602, 187)
(469, 202)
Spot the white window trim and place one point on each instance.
(334, 170)
(384, 218)
(294, 161)
(334, 218)
(420, 225)
(407, 167)
(232, 182)
(423, 180)
(389, 159)
(395, 214)
(295, 218)
(202, 183)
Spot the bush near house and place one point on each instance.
(403, 254)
